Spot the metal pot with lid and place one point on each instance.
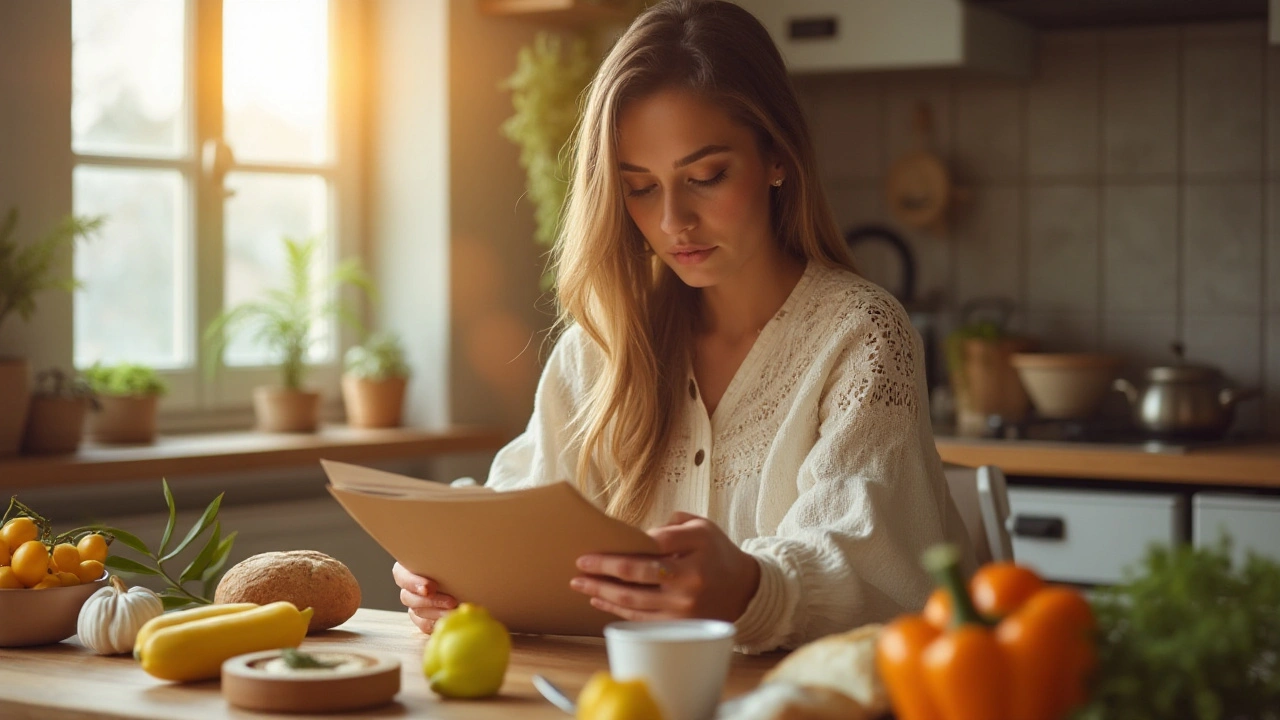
(1183, 400)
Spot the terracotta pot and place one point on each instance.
(124, 419)
(283, 410)
(990, 385)
(15, 399)
(373, 403)
(54, 425)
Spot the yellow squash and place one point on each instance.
(184, 616)
(195, 650)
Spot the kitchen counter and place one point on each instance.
(66, 681)
(1238, 465)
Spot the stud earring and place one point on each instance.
(777, 182)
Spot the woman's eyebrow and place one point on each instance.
(692, 157)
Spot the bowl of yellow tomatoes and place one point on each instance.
(43, 585)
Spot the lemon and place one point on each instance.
(604, 698)
(467, 654)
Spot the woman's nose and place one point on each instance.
(677, 215)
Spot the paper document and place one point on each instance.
(512, 552)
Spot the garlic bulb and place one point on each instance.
(110, 619)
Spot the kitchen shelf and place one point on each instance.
(559, 11)
(1244, 465)
(227, 452)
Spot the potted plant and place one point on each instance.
(127, 397)
(374, 383)
(25, 271)
(55, 422)
(979, 363)
(283, 319)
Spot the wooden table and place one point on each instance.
(63, 681)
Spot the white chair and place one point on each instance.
(982, 497)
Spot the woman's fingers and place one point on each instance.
(634, 597)
(407, 580)
(425, 619)
(627, 613)
(639, 569)
(436, 601)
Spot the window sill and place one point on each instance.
(203, 453)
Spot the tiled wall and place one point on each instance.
(1124, 196)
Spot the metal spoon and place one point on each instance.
(554, 695)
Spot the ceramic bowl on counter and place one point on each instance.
(1066, 386)
(40, 617)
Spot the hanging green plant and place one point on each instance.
(545, 89)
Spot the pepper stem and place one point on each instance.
(118, 584)
(943, 562)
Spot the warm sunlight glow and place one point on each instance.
(276, 79)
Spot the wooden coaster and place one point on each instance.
(262, 681)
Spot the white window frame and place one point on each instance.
(199, 399)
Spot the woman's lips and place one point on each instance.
(692, 256)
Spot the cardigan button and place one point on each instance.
(699, 457)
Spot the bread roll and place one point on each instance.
(303, 577)
(788, 701)
(845, 662)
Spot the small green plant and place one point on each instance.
(125, 379)
(26, 271)
(284, 319)
(205, 567)
(379, 358)
(1189, 636)
(55, 383)
(549, 78)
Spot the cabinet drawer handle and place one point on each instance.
(1040, 527)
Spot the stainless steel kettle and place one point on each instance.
(1183, 400)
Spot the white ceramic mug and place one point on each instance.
(683, 662)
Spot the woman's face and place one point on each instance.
(695, 183)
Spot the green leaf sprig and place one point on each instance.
(205, 568)
(1189, 637)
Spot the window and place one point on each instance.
(206, 131)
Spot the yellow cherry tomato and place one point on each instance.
(67, 579)
(9, 580)
(66, 558)
(93, 547)
(50, 581)
(31, 562)
(18, 531)
(89, 571)
(4, 553)
(604, 698)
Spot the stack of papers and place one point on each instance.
(512, 552)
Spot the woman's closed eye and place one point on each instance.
(697, 182)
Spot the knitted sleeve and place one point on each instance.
(546, 452)
(871, 491)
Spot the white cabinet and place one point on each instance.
(1090, 536)
(1252, 521)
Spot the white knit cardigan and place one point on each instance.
(819, 460)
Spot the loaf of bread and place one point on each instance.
(845, 662)
(303, 577)
(787, 701)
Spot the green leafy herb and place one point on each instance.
(302, 661)
(205, 568)
(1190, 638)
(125, 379)
(28, 269)
(545, 89)
(284, 318)
(379, 358)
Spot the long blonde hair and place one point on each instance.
(625, 299)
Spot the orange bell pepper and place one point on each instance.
(1018, 649)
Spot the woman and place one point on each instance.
(725, 378)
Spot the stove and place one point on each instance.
(1106, 431)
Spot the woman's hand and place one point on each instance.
(700, 574)
(421, 595)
